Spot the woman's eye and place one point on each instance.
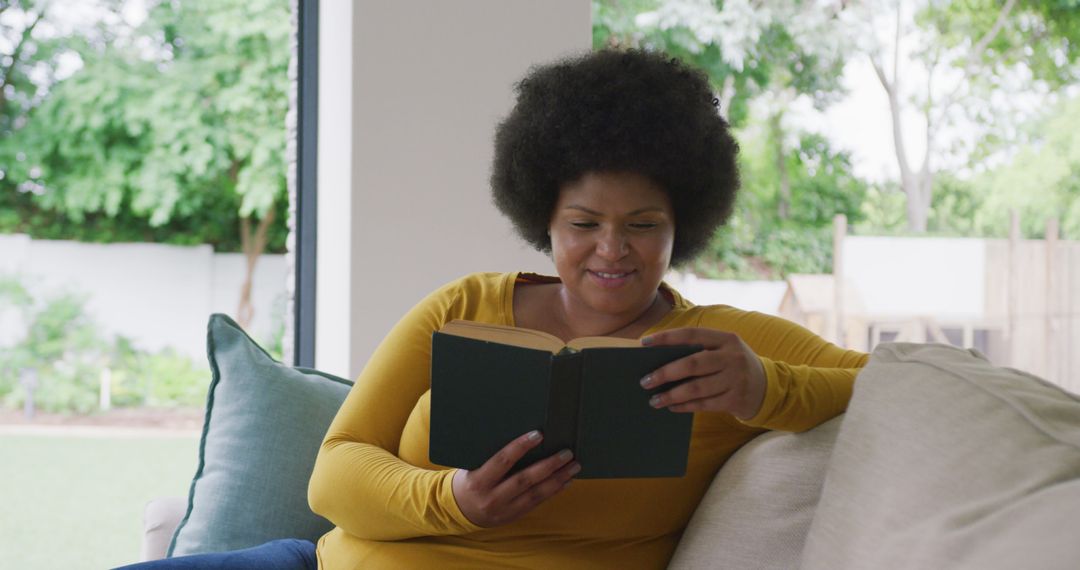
(584, 225)
(643, 225)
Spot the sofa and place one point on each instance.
(942, 460)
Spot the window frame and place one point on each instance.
(307, 183)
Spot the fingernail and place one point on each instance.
(565, 455)
(575, 469)
(646, 381)
(533, 435)
(647, 341)
(654, 401)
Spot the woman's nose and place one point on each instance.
(612, 245)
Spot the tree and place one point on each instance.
(183, 117)
(38, 48)
(757, 243)
(771, 53)
(785, 50)
(1041, 181)
(975, 57)
(21, 53)
(764, 59)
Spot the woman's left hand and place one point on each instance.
(724, 377)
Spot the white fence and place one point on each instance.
(157, 295)
(160, 296)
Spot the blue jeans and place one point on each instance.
(284, 554)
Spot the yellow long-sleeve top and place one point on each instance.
(394, 509)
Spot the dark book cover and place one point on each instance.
(484, 394)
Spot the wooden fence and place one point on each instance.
(1031, 310)
(1033, 293)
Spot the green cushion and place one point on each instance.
(264, 424)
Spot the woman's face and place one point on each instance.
(611, 238)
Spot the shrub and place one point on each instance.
(64, 347)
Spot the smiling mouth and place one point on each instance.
(611, 279)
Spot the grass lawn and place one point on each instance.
(75, 501)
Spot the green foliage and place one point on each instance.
(614, 26)
(174, 132)
(757, 243)
(954, 207)
(882, 211)
(953, 211)
(31, 53)
(62, 345)
(786, 57)
(275, 344)
(15, 301)
(1036, 44)
(68, 353)
(613, 22)
(1041, 181)
(1043, 35)
(1030, 49)
(773, 253)
(781, 57)
(159, 379)
(823, 184)
(214, 224)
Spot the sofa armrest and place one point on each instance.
(161, 516)
(758, 508)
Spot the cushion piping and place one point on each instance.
(215, 377)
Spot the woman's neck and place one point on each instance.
(577, 322)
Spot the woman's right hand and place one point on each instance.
(487, 497)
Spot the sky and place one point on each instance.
(861, 124)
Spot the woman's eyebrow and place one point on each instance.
(582, 208)
(595, 213)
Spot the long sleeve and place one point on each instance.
(394, 509)
(810, 380)
(359, 483)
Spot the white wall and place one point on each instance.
(760, 296)
(409, 96)
(942, 277)
(157, 295)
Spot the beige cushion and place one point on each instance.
(757, 511)
(946, 461)
(160, 519)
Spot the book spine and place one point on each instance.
(564, 399)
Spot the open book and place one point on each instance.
(492, 383)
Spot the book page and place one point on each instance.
(531, 338)
(603, 342)
(517, 336)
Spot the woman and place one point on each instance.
(619, 165)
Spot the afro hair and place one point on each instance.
(616, 111)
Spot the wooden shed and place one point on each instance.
(810, 300)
